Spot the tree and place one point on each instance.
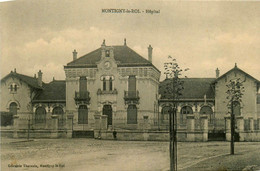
(174, 88)
(234, 94)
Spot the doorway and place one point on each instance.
(107, 110)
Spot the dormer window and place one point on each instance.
(13, 88)
(107, 53)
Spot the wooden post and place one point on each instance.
(171, 140)
(232, 129)
(28, 135)
(175, 137)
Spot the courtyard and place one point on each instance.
(91, 154)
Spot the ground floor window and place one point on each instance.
(184, 111)
(207, 110)
(132, 114)
(83, 114)
(165, 112)
(59, 111)
(40, 115)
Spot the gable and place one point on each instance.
(31, 81)
(236, 73)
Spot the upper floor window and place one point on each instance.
(13, 88)
(107, 53)
(107, 82)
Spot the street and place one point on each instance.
(91, 154)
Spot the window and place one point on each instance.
(208, 111)
(165, 112)
(107, 83)
(107, 53)
(110, 84)
(82, 84)
(82, 114)
(132, 114)
(13, 88)
(59, 111)
(184, 111)
(236, 108)
(40, 115)
(104, 84)
(8, 118)
(132, 86)
(13, 108)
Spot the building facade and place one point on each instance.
(114, 90)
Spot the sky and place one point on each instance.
(202, 36)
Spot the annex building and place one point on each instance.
(113, 92)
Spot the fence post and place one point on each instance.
(228, 128)
(104, 122)
(204, 127)
(15, 125)
(240, 127)
(251, 124)
(258, 123)
(97, 130)
(69, 125)
(54, 131)
(190, 128)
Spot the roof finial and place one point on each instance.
(104, 42)
(125, 41)
(14, 70)
(235, 65)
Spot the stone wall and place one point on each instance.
(102, 131)
(249, 133)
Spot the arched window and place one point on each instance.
(59, 111)
(110, 84)
(165, 113)
(13, 108)
(236, 108)
(132, 114)
(40, 115)
(184, 111)
(8, 119)
(104, 84)
(83, 114)
(207, 110)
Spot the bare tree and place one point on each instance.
(234, 95)
(173, 88)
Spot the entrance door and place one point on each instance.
(107, 110)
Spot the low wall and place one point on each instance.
(249, 136)
(149, 135)
(40, 134)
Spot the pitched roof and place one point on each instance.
(53, 91)
(237, 69)
(123, 54)
(31, 81)
(194, 88)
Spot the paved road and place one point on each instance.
(90, 154)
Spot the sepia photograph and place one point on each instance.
(129, 85)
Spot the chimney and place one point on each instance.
(217, 73)
(150, 53)
(40, 78)
(74, 54)
(125, 42)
